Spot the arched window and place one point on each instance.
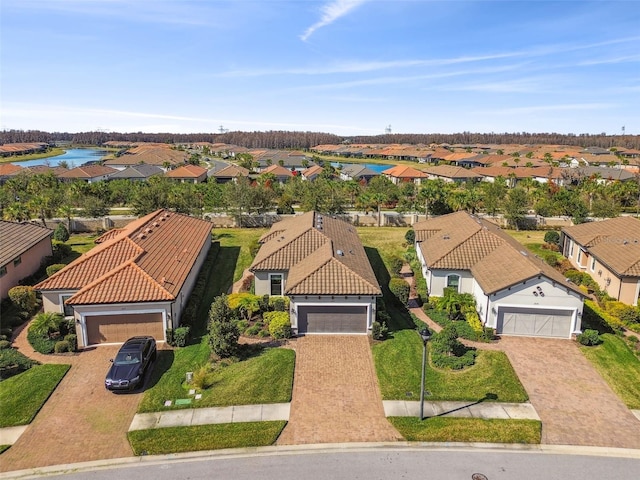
(453, 281)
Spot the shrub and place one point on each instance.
(552, 237)
(254, 247)
(589, 338)
(61, 346)
(254, 329)
(551, 260)
(626, 313)
(60, 250)
(24, 298)
(382, 317)
(410, 236)
(379, 330)
(280, 325)
(56, 267)
(454, 362)
(13, 362)
(223, 329)
(473, 319)
(400, 290)
(4, 344)
(40, 344)
(72, 340)
(279, 304)
(263, 303)
(46, 324)
(61, 233)
(396, 264)
(169, 335)
(181, 335)
(202, 377)
(595, 317)
(247, 284)
(448, 352)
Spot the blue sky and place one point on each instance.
(349, 67)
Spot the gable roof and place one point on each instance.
(17, 238)
(151, 154)
(323, 255)
(137, 171)
(231, 171)
(461, 241)
(148, 260)
(278, 171)
(312, 171)
(451, 171)
(615, 242)
(9, 169)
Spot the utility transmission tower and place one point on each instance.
(387, 129)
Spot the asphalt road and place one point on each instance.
(372, 463)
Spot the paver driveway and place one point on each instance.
(81, 421)
(336, 397)
(575, 404)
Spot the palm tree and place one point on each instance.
(16, 212)
(46, 324)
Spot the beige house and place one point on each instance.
(320, 264)
(516, 293)
(23, 248)
(609, 251)
(136, 281)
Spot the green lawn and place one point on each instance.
(239, 241)
(389, 241)
(23, 395)
(443, 429)
(4, 448)
(620, 368)
(16, 159)
(264, 378)
(204, 437)
(398, 362)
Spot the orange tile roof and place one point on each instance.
(232, 171)
(323, 255)
(88, 171)
(187, 171)
(615, 242)
(404, 171)
(152, 257)
(278, 171)
(314, 170)
(9, 169)
(461, 241)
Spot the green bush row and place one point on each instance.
(13, 362)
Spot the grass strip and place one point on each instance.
(204, 437)
(443, 429)
(23, 395)
(619, 367)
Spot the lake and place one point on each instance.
(376, 167)
(74, 158)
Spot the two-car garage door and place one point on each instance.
(332, 319)
(534, 322)
(118, 328)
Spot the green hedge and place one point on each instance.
(400, 289)
(12, 362)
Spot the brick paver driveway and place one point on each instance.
(575, 404)
(81, 421)
(335, 393)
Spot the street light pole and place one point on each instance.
(425, 335)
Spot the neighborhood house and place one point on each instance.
(136, 281)
(319, 263)
(609, 251)
(516, 293)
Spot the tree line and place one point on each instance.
(306, 140)
(42, 196)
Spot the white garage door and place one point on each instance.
(332, 319)
(533, 322)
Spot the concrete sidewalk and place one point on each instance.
(516, 411)
(207, 416)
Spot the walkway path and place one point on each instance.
(336, 397)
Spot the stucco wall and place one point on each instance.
(30, 263)
(263, 284)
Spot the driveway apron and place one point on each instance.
(81, 421)
(336, 397)
(575, 404)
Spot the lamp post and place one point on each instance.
(425, 335)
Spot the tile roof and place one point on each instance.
(187, 171)
(615, 242)
(137, 171)
(311, 171)
(152, 256)
(9, 169)
(461, 241)
(150, 154)
(17, 238)
(278, 171)
(404, 171)
(232, 171)
(88, 171)
(323, 255)
(450, 171)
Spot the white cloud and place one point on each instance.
(331, 12)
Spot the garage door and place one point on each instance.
(534, 322)
(332, 319)
(118, 328)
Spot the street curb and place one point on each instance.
(322, 448)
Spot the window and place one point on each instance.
(571, 248)
(3, 270)
(593, 264)
(276, 284)
(17, 261)
(579, 256)
(66, 309)
(453, 281)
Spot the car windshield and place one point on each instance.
(127, 358)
